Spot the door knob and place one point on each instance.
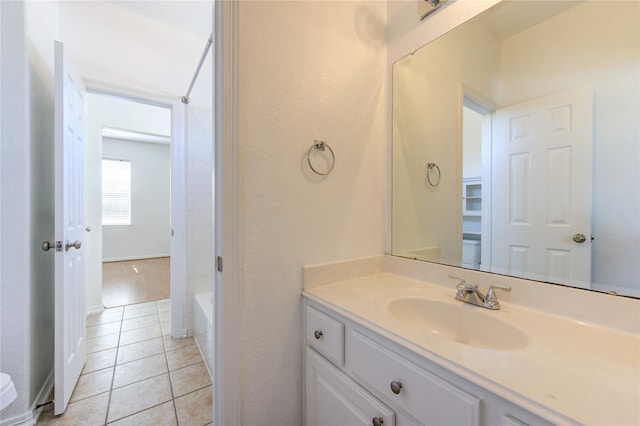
(579, 238)
(76, 244)
(46, 246)
(377, 421)
(317, 334)
(88, 229)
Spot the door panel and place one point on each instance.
(541, 156)
(70, 320)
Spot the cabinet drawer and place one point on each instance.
(426, 397)
(325, 334)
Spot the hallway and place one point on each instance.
(137, 374)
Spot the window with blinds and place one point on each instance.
(116, 192)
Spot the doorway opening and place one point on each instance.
(476, 181)
(135, 198)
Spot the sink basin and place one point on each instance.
(464, 324)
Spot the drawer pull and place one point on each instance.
(396, 387)
(377, 421)
(317, 334)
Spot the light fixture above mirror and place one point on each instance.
(427, 7)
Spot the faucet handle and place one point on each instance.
(491, 294)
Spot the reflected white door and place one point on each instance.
(70, 342)
(541, 161)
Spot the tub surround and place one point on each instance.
(582, 360)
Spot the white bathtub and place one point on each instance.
(203, 327)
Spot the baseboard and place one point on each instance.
(30, 417)
(95, 309)
(148, 256)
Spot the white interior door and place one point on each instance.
(70, 342)
(541, 201)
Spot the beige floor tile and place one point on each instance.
(99, 360)
(102, 343)
(91, 384)
(104, 317)
(189, 379)
(140, 350)
(163, 305)
(161, 415)
(140, 322)
(149, 310)
(138, 397)
(170, 343)
(90, 411)
(165, 316)
(183, 357)
(103, 329)
(195, 408)
(166, 328)
(135, 306)
(141, 369)
(140, 334)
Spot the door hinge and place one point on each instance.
(219, 263)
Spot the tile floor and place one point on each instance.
(136, 374)
(135, 281)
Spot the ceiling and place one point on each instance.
(192, 16)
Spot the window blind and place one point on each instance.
(116, 192)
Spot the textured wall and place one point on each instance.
(26, 278)
(307, 70)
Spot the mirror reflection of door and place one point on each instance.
(541, 155)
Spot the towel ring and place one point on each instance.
(433, 168)
(320, 146)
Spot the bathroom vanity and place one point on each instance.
(383, 348)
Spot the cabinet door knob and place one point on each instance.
(396, 387)
(317, 334)
(377, 421)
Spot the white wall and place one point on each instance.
(472, 143)
(307, 70)
(149, 233)
(26, 123)
(111, 44)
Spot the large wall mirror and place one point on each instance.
(516, 145)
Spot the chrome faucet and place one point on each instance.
(470, 293)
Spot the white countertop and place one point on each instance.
(569, 370)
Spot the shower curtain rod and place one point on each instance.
(185, 98)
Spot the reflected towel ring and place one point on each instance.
(433, 168)
(320, 146)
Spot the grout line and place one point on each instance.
(115, 365)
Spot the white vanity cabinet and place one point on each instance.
(354, 376)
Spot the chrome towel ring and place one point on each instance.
(320, 146)
(433, 174)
